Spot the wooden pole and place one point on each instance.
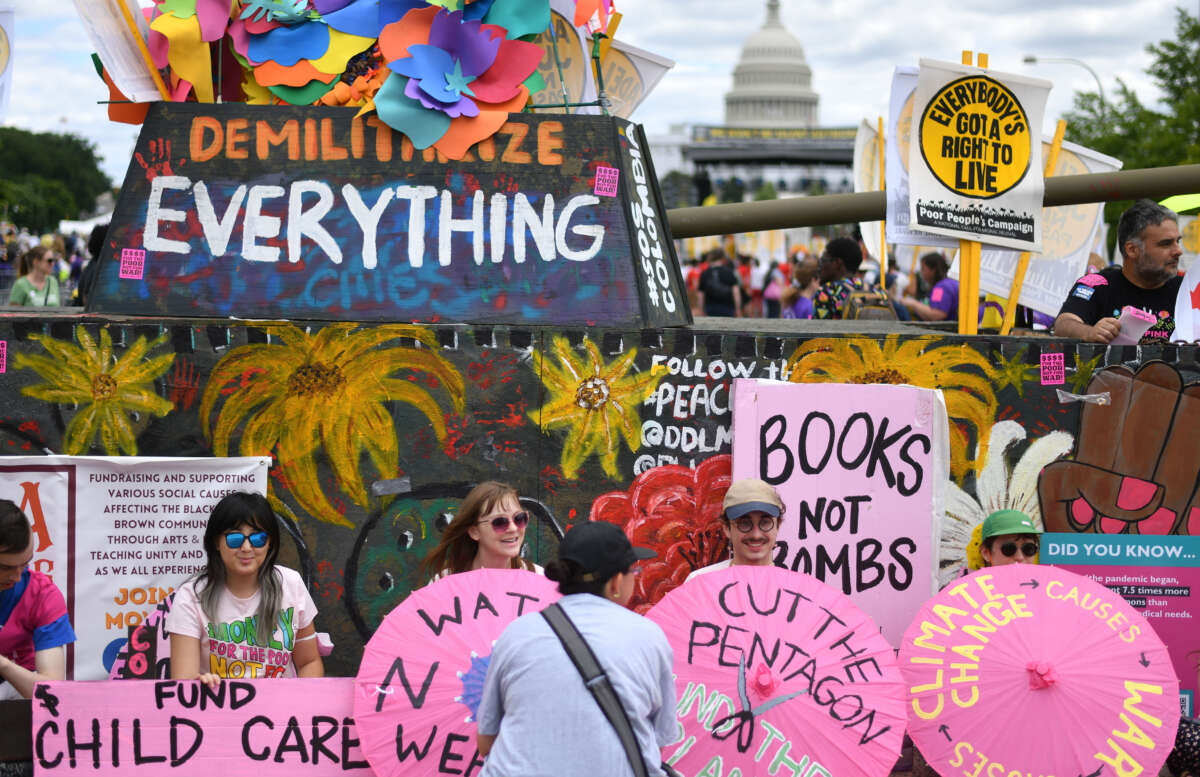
(1014, 292)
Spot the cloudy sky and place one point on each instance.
(852, 46)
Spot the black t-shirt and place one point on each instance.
(717, 284)
(1104, 294)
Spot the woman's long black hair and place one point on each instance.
(232, 511)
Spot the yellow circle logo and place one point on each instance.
(904, 129)
(975, 137)
(571, 65)
(1066, 229)
(622, 82)
(5, 50)
(1191, 236)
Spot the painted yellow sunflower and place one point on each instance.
(598, 402)
(963, 374)
(326, 390)
(105, 389)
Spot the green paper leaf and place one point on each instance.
(302, 95)
(520, 17)
(180, 9)
(535, 83)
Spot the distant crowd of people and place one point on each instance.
(845, 283)
(47, 271)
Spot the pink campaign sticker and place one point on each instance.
(606, 181)
(3, 355)
(1054, 369)
(1093, 280)
(133, 263)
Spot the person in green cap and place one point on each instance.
(1009, 537)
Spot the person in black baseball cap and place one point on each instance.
(594, 554)
(522, 730)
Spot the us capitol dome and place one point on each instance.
(772, 83)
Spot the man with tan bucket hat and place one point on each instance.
(750, 516)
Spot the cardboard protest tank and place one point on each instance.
(282, 212)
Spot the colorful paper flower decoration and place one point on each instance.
(588, 10)
(446, 73)
(454, 80)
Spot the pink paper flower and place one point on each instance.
(762, 682)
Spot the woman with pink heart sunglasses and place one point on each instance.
(488, 531)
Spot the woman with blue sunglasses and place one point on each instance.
(488, 531)
(243, 617)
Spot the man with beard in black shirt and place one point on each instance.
(1148, 235)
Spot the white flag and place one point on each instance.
(1187, 306)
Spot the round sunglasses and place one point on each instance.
(234, 539)
(1028, 549)
(500, 522)
(745, 524)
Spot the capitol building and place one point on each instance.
(771, 133)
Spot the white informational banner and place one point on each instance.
(1187, 306)
(7, 33)
(862, 470)
(116, 46)
(976, 170)
(118, 533)
(630, 74)
(899, 146)
(866, 179)
(1069, 235)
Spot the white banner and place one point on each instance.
(866, 179)
(117, 46)
(976, 169)
(118, 533)
(629, 72)
(899, 132)
(1069, 235)
(7, 33)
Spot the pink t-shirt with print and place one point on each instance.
(230, 639)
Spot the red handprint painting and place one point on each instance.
(1136, 468)
(157, 161)
(676, 511)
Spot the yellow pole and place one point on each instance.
(1014, 293)
(964, 249)
(142, 47)
(883, 258)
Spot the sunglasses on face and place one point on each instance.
(500, 522)
(745, 524)
(234, 540)
(1028, 549)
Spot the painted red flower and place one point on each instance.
(676, 511)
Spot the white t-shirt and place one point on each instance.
(230, 641)
(710, 568)
(446, 572)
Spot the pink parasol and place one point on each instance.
(421, 677)
(778, 673)
(1035, 670)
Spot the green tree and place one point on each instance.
(766, 192)
(1139, 135)
(733, 190)
(46, 177)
